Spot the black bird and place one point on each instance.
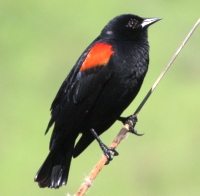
(104, 81)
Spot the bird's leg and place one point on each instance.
(108, 152)
(131, 121)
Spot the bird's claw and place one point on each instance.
(134, 131)
(108, 152)
(131, 121)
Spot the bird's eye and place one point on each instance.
(133, 23)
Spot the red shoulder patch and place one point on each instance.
(98, 55)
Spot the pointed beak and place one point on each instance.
(149, 21)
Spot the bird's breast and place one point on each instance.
(131, 64)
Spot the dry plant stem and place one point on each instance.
(93, 174)
(123, 132)
(166, 68)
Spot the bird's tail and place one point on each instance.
(54, 171)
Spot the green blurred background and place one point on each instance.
(41, 40)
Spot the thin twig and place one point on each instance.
(123, 132)
(166, 68)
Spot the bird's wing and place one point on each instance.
(80, 90)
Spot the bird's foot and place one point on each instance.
(108, 152)
(131, 121)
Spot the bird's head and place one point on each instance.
(127, 27)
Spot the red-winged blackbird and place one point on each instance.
(104, 81)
